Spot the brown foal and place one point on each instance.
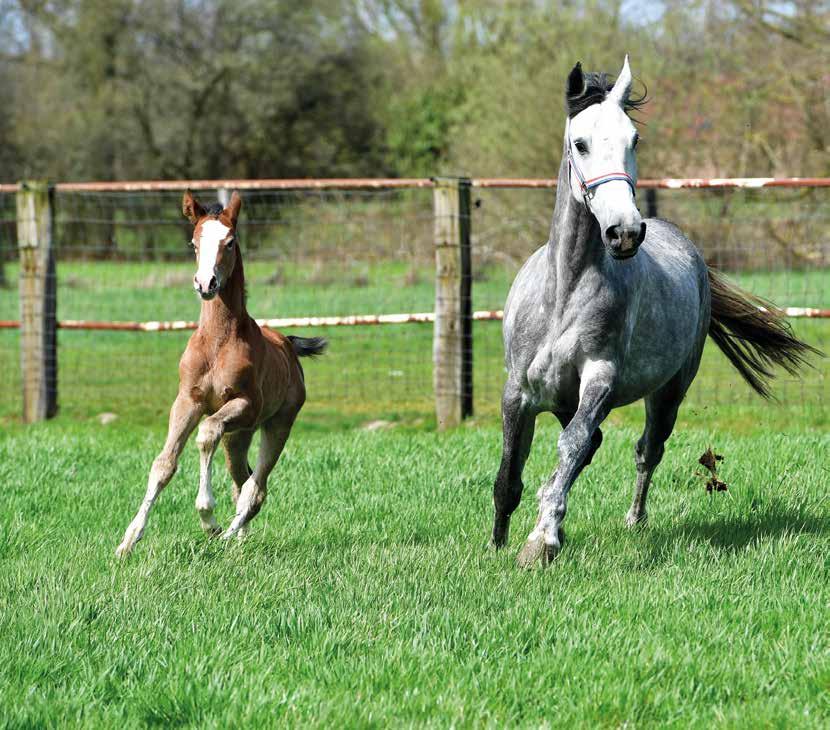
(242, 377)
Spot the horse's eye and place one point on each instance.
(581, 147)
(635, 142)
(192, 244)
(229, 243)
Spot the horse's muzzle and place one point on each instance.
(624, 241)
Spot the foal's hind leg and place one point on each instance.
(184, 415)
(518, 424)
(236, 447)
(239, 413)
(273, 435)
(661, 413)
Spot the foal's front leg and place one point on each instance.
(184, 415)
(236, 413)
(576, 445)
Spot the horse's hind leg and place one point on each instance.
(661, 414)
(518, 424)
(273, 435)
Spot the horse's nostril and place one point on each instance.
(612, 233)
(642, 235)
(213, 283)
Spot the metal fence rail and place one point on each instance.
(356, 260)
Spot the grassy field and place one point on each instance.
(369, 372)
(366, 595)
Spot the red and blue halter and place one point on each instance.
(588, 187)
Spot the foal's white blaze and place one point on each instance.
(213, 234)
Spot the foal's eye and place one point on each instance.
(581, 147)
(192, 244)
(229, 243)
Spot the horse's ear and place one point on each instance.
(191, 209)
(576, 82)
(622, 87)
(234, 205)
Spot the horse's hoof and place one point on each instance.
(536, 549)
(122, 551)
(499, 539)
(533, 551)
(213, 531)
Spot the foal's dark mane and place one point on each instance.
(595, 88)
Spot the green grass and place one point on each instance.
(366, 595)
(369, 372)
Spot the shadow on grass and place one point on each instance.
(733, 533)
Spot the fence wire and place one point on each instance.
(123, 256)
(774, 243)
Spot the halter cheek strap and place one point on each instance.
(589, 187)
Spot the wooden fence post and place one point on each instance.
(223, 195)
(38, 331)
(452, 344)
(651, 203)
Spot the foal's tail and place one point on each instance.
(308, 346)
(753, 334)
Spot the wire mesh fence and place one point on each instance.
(123, 256)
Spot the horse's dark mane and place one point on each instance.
(215, 209)
(597, 86)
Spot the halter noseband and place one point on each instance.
(589, 187)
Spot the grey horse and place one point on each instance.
(613, 308)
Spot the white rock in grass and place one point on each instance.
(105, 418)
(378, 425)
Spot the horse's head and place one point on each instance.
(214, 240)
(601, 142)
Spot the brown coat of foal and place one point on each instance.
(242, 377)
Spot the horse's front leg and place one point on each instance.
(577, 444)
(184, 415)
(518, 423)
(235, 414)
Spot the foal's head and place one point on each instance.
(601, 144)
(214, 240)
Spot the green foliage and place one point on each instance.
(304, 88)
(421, 129)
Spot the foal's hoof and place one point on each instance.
(632, 520)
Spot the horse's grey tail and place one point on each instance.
(308, 346)
(753, 334)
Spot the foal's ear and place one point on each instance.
(234, 205)
(576, 82)
(191, 209)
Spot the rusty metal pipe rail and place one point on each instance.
(413, 183)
